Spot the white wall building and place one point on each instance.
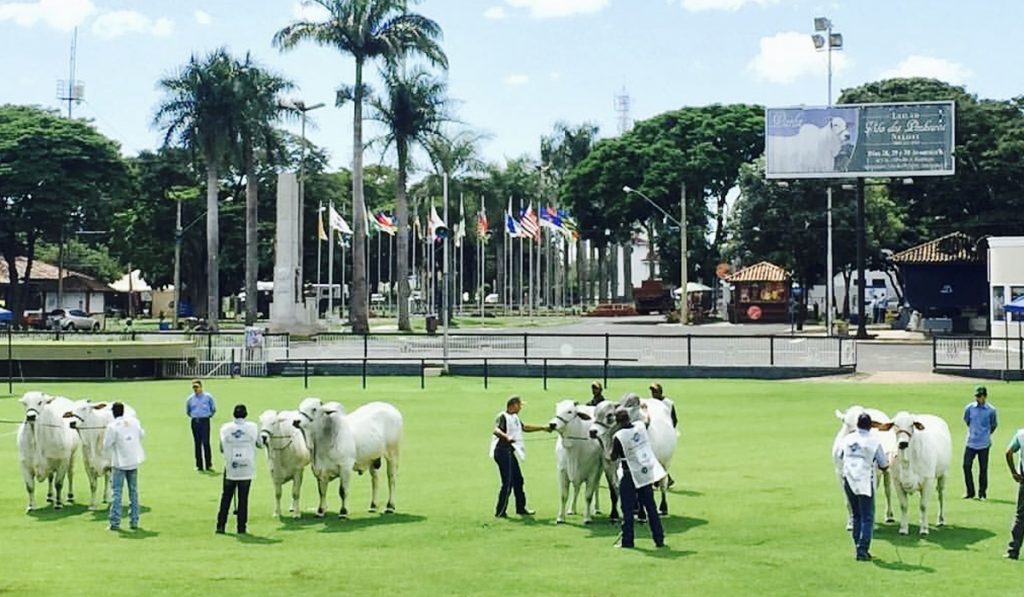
(1006, 283)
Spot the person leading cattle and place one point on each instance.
(658, 394)
(981, 422)
(507, 449)
(238, 441)
(123, 441)
(861, 452)
(639, 471)
(596, 390)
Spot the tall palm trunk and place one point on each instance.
(212, 247)
(402, 214)
(251, 240)
(357, 305)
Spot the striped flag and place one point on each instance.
(481, 225)
(530, 223)
(569, 226)
(385, 223)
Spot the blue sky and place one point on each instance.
(518, 66)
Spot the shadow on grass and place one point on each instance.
(251, 539)
(946, 537)
(47, 513)
(138, 534)
(901, 566)
(672, 525)
(666, 553)
(337, 525)
(686, 492)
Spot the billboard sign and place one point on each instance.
(860, 140)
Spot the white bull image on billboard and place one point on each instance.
(813, 149)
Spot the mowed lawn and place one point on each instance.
(755, 509)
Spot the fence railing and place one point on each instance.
(978, 352)
(678, 350)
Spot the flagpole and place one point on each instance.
(330, 271)
(415, 241)
(391, 282)
(341, 314)
(445, 304)
(319, 262)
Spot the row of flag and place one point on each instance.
(528, 225)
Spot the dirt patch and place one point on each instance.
(895, 377)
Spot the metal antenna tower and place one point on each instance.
(71, 90)
(622, 105)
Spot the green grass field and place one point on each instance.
(755, 509)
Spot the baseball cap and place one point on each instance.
(980, 391)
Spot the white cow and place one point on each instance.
(658, 417)
(287, 454)
(848, 425)
(577, 456)
(90, 421)
(46, 446)
(922, 458)
(812, 149)
(342, 443)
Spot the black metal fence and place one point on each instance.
(978, 353)
(651, 350)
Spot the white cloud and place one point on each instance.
(549, 9)
(730, 5)
(787, 56)
(203, 18)
(303, 11)
(516, 80)
(554, 75)
(495, 13)
(930, 67)
(64, 15)
(122, 22)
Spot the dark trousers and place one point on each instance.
(511, 481)
(230, 487)
(1017, 532)
(630, 495)
(969, 454)
(201, 442)
(863, 508)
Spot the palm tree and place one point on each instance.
(261, 108)
(366, 30)
(414, 109)
(200, 111)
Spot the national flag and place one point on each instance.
(549, 218)
(512, 227)
(460, 228)
(481, 225)
(438, 229)
(385, 223)
(531, 226)
(320, 233)
(338, 222)
(569, 226)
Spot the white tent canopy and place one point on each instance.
(693, 287)
(133, 284)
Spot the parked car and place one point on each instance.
(34, 318)
(72, 319)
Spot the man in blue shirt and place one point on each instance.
(200, 408)
(980, 418)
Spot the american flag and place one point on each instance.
(530, 224)
(385, 223)
(481, 225)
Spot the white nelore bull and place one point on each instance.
(922, 459)
(287, 455)
(341, 443)
(90, 420)
(848, 425)
(812, 149)
(577, 457)
(658, 417)
(46, 447)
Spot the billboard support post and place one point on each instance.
(862, 330)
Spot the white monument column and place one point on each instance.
(288, 313)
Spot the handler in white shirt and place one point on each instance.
(639, 471)
(238, 442)
(862, 450)
(123, 440)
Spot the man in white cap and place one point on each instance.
(507, 449)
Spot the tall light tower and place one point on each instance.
(826, 43)
(71, 90)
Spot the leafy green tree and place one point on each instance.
(84, 257)
(56, 175)
(414, 108)
(202, 110)
(366, 30)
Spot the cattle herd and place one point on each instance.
(334, 443)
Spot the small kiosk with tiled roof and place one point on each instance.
(760, 294)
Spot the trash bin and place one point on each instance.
(165, 326)
(431, 325)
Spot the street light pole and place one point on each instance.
(828, 43)
(177, 266)
(684, 305)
